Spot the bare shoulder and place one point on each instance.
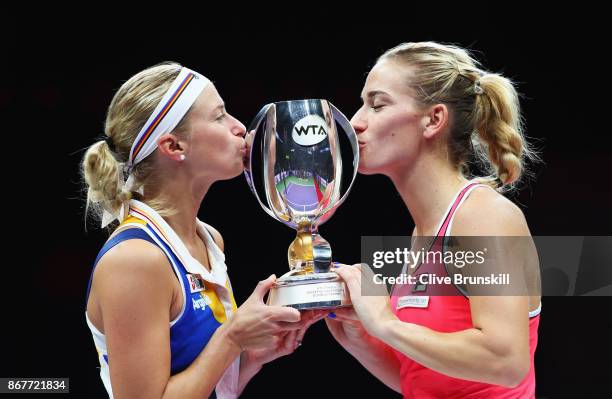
(131, 268)
(216, 236)
(488, 213)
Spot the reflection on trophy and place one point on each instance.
(295, 170)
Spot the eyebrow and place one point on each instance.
(220, 106)
(375, 93)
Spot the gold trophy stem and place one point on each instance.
(299, 253)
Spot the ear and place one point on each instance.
(171, 146)
(436, 120)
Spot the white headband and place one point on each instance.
(171, 109)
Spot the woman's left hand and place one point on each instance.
(374, 308)
(286, 342)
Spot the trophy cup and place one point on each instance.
(301, 175)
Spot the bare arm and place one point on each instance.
(373, 354)
(133, 287)
(496, 349)
(134, 291)
(252, 360)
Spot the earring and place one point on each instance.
(182, 157)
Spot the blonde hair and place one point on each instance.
(102, 166)
(485, 108)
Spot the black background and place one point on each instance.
(60, 77)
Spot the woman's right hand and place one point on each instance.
(256, 325)
(346, 327)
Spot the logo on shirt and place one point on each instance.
(412, 302)
(420, 286)
(196, 283)
(201, 302)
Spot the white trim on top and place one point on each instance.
(536, 311)
(467, 194)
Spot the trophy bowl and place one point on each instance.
(296, 171)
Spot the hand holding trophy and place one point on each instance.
(301, 172)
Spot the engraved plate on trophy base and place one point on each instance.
(310, 291)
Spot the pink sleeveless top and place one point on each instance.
(448, 311)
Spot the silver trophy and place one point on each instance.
(300, 166)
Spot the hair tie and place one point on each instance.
(478, 88)
(110, 143)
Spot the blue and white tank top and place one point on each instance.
(208, 300)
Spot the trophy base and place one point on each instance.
(309, 291)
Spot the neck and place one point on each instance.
(184, 196)
(427, 189)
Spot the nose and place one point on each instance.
(358, 122)
(238, 128)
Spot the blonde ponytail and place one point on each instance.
(103, 176)
(499, 129)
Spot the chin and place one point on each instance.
(366, 170)
(237, 171)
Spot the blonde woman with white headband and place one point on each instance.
(160, 305)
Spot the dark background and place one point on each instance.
(60, 77)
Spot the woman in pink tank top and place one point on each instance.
(429, 110)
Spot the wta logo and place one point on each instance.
(309, 130)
